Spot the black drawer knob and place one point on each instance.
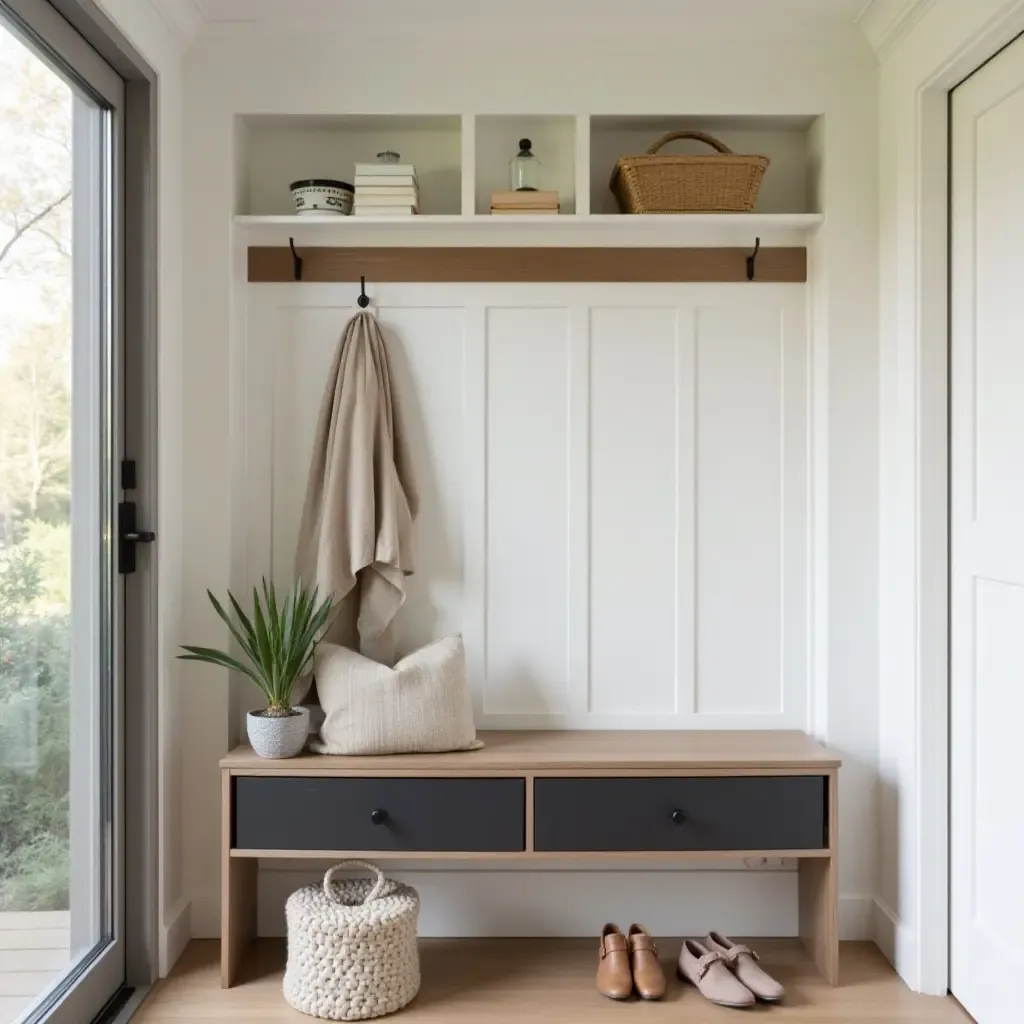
(678, 816)
(378, 817)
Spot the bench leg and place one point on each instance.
(819, 897)
(818, 924)
(237, 899)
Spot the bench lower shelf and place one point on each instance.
(817, 885)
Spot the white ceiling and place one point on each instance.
(880, 20)
(797, 11)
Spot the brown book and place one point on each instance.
(522, 211)
(527, 209)
(539, 199)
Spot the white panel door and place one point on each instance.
(987, 508)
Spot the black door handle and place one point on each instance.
(678, 816)
(378, 817)
(128, 535)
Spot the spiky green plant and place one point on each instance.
(277, 641)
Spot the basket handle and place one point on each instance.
(372, 868)
(700, 136)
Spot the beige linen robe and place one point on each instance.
(355, 540)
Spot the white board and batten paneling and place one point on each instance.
(614, 481)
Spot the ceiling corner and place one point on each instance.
(184, 17)
(886, 22)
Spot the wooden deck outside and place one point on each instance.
(34, 952)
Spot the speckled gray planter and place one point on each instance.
(278, 737)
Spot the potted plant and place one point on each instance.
(277, 642)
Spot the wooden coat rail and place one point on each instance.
(785, 265)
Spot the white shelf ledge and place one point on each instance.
(611, 221)
(536, 231)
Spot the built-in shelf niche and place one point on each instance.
(554, 144)
(462, 159)
(275, 150)
(789, 185)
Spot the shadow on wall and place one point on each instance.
(517, 690)
(886, 924)
(440, 191)
(565, 899)
(437, 558)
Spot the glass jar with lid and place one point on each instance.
(524, 169)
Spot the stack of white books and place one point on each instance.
(386, 190)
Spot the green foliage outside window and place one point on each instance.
(35, 480)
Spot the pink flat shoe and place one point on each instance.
(709, 972)
(742, 961)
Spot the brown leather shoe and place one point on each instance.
(648, 977)
(614, 977)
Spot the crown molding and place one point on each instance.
(880, 21)
(183, 17)
(886, 22)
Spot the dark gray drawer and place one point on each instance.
(450, 815)
(736, 813)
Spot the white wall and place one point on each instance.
(942, 47)
(162, 50)
(614, 74)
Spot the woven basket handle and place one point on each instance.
(700, 136)
(372, 868)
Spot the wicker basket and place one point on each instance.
(352, 946)
(723, 182)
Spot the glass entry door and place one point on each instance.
(61, 946)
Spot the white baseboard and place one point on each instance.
(884, 927)
(896, 941)
(174, 935)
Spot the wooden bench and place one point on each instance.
(527, 796)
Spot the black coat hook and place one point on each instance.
(363, 299)
(296, 261)
(752, 259)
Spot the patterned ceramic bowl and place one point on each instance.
(322, 195)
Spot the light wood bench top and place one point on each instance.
(528, 751)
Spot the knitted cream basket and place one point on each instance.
(352, 946)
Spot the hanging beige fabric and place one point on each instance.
(355, 540)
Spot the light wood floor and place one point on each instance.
(511, 981)
(33, 954)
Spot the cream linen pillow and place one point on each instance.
(421, 705)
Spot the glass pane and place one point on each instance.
(55, 676)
